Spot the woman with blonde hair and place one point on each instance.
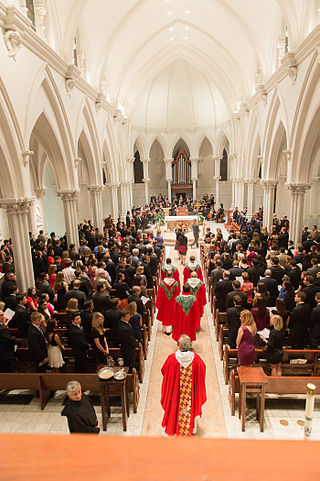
(72, 307)
(99, 344)
(135, 320)
(275, 345)
(245, 339)
(52, 273)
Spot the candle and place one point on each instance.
(311, 391)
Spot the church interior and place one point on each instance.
(111, 106)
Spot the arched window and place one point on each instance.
(138, 168)
(30, 13)
(181, 169)
(224, 166)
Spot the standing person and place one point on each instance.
(55, 359)
(275, 345)
(183, 247)
(183, 390)
(99, 342)
(135, 320)
(192, 266)
(260, 313)
(314, 333)
(234, 322)
(186, 315)
(195, 231)
(299, 321)
(198, 289)
(169, 267)
(22, 318)
(168, 290)
(245, 339)
(7, 345)
(60, 287)
(79, 411)
(78, 343)
(37, 343)
(127, 340)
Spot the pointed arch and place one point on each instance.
(203, 138)
(221, 143)
(162, 142)
(140, 144)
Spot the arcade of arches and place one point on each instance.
(91, 133)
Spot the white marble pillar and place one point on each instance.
(240, 200)
(250, 197)
(96, 202)
(194, 176)
(298, 191)
(168, 167)
(146, 179)
(130, 195)
(217, 193)
(233, 191)
(69, 199)
(269, 187)
(123, 200)
(18, 216)
(114, 201)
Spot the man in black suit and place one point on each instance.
(294, 274)
(283, 238)
(233, 317)
(310, 290)
(7, 343)
(37, 343)
(101, 300)
(235, 271)
(44, 286)
(112, 319)
(22, 318)
(135, 297)
(86, 319)
(76, 293)
(277, 272)
(236, 292)
(128, 220)
(127, 340)
(222, 289)
(299, 321)
(130, 271)
(11, 300)
(9, 280)
(78, 343)
(272, 287)
(314, 333)
(216, 274)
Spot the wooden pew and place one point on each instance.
(220, 319)
(230, 360)
(46, 382)
(23, 355)
(276, 385)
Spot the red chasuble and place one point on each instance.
(175, 273)
(165, 300)
(186, 317)
(183, 395)
(198, 289)
(192, 267)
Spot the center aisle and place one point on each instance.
(211, 424)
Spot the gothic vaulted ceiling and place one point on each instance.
(138, 50)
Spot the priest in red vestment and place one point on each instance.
(183, 390)
(193, 266)
(169, 267)
(198, 289)
(168, 290)
(186, 315)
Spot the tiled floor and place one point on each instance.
(281, 416)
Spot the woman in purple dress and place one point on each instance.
(245, 339)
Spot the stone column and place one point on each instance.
(18, 213)
(168, 165)
(216, 178)
(298, 191)
(269, 187)
(69, 199)
(251, 196)
(96, 201)
(124, 207)
(240, 201)
(130, 194)
(233, 192)
(194, 176)
(146, 179)
(114, 200)
(40, 14)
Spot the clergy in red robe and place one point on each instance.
(183, 390)
(169, 267)
(186, 315)
(193, 266)
(168, 290)
(198, 289)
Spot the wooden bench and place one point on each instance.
(46, 382)
(276, 385)
(220, 319)
(310, 368)
(23, 355)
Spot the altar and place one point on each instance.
(180, 221)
